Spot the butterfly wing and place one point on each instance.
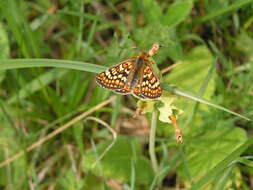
(116, 77)
(137, 91)
(124, 91)
(150, 87)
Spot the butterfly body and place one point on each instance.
(134, 75)
(139, 64)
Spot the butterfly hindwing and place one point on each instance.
(125, 90)
(137, 91)
(115, 77)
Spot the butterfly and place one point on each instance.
(133, 76)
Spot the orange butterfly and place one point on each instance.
(134, 75)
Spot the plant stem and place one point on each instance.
(152, 141)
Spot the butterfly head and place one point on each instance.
(154, 49)
(144, 54)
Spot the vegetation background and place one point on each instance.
(46, 144)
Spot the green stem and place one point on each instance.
(152, 141)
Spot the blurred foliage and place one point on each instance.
(217, 148)
(126, 157)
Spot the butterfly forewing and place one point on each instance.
(115, 77)
(150, 85)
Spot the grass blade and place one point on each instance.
(37, 84)
(201, 100)
(232, 7)
(28, 63)
(13, 11)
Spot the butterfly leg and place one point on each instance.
(140, 109)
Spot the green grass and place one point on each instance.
(49, 54)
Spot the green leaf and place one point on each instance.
(151, 10)
(93, 182)
(220, 140)
(189, 75)
(117, 162)
(177, 12)
(222, 165)
(70, 181)
(244, 43)
(192, 71)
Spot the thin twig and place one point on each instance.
(167, 69)
(57, 131)
(114, 134)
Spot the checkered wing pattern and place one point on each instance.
(150, 87)
(116, 77)
(137, 91)
(134, 75)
